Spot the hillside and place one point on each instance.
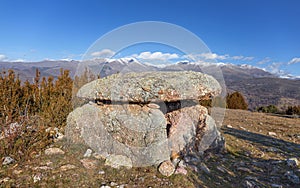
(266, 91)
(258, 86)
(257, 148)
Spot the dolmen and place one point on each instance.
(146, 118)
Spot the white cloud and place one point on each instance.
(294, 61)
(214, 56)
(243, 58)
(156, 56)
(237, 57)
(275, 68)
(103, 53)
(2, 57)
(264, 61)
(248, 58)
(19, 60)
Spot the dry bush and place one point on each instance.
(293, 110)
(34, 107)
(236, 101)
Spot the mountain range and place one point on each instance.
(259, 87)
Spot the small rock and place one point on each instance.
(276, 185)
(58, 136)
(101, 172)
(292, 177)
(116, 161)
(88, 153)
(243, 128)
(113, 184)
(105, 186)
(54, 151)
(98, 156)
(8, 160)
(6, 179)
(272, 134)
(297, 136)
(204, 168)
(37, 177)
(181, 170)
(292, 162)
(166, 168)
(229, 126)
(67, 167)
(89, 163)
(153, 105)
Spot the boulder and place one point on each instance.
(146, 118)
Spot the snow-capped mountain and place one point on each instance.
(259, 86)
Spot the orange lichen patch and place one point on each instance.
(160, 92)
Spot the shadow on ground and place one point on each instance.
(289, 149)
(232, 169)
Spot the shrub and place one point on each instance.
(293, 110)
(33, 107)
(236, 101)
(268, 109)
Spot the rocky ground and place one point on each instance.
(261, 151)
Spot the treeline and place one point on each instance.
(236, 100)
(291, 110)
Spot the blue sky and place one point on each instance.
(263, 33)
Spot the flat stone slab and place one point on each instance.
(148, 87)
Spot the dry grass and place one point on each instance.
(252, 155)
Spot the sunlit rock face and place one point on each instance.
(146, 117)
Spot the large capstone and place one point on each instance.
(151, 86)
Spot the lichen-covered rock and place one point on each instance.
(151, 86)
(116, 161)
(135, 131)
(166, 168)
(54, 151)
(146, 117)
(184, 124)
